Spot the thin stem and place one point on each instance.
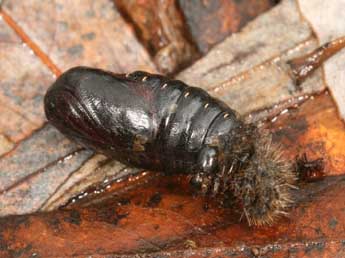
(302, 67)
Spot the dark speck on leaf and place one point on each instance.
(171, 186)
(319, 231)
(63, 26)
(124, 201)
(21, 252)
(20, 221)
(177, 207)
(3, 245)
(88, 36)
(54, 223)
(75, 50)
(110, 215)
(90, 13)
(333, 222)
(73, 218)
(154, 200)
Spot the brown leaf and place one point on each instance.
(82, 32)
(147, 213)
(39, 171)
(325, 18)
(212, 21)
(24, 80)
(160, 26)
(249, 66)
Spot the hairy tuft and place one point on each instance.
(264, 186)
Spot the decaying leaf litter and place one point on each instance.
(320, 131)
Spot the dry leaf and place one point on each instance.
(153, 214)
(327, 20)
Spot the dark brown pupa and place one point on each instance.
(149, 121)
(152, 122)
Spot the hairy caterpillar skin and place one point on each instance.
(149, 121)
